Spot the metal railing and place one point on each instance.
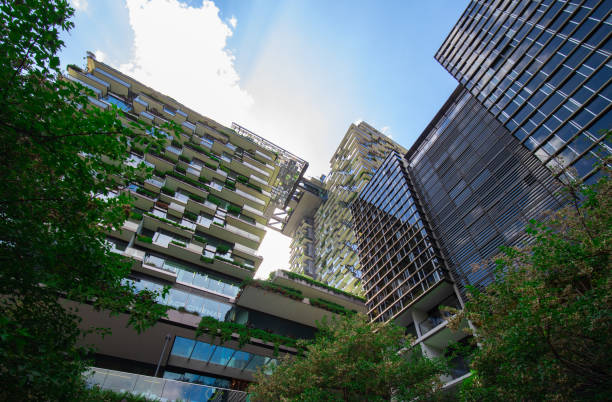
(160, 388)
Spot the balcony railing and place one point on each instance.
(160, 388)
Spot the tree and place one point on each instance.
(60, 158)
(544, 324)
(352, 359)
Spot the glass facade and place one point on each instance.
(478, 185)
(543, 69)
(220, 355)
(398, 258)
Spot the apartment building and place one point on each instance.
(533, 98)
(196, 226)
(324, 245)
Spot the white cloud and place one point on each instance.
(233, 21)
(100, 55)
(386, 130)
(181, 51)
(79, 5)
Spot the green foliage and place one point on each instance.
(182, 177)
(255, 187)
(147, 193)
(234, 210)
(223, 248)
(176, 143)
(168, 191)
(242, 179)
(224, 331)
(178, 243)
(184, 159)
(197, 198)
(180, 169)
(168, 221)
(96, 394)
(224, 168)
(273, 287)
(353, 359)
(136, 216)
(330, 306)
(210, 166)
(215, 200)
(190, 215)
(56, 206)
(544, 323)
(311, 281)
(145, 239)
(207, 260)
(230, 184)
(200, 239)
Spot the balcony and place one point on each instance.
(159, 388)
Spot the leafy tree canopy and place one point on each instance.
(544, 324)
(352, 359)
(59, 157)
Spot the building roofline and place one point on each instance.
(423, 136)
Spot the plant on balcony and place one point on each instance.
(204, 180)
(137, 150)
(224, 168)
(230, 184)
(145, 192)
(159, 173)
(190, 215)
(225, 330)
(200, 239)
(168, 221)
(223, 248)
(178, 243)
(242, 179)
(145, 239)
(180, 169)
(215, 200)
(273, 287)
(184, 159)
(219, 224)
(136, 216)
(183, 178)
(210, 165)
(168, 191)
(197, 198)
(255, 187)
(330, 306)
(176, 143)
(206, 259)
(234, 210)
(311, 281)
(218, 257)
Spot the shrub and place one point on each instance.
(190, 215)
(197, 198)
(180, 169)
(207, 260)
(184, 159)
(145, 192)
(145, 239)
(178, 243)
(168, 191)
(232, 209)
(223, 248)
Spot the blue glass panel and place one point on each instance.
(222, 355)
(182, 347)
(202, 351)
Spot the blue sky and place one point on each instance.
(295, 72)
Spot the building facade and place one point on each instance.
(325, 247)
(533, 98)
(196, 226)
(543, 70)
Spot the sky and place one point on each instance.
(297, 73)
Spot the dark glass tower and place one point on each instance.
(478, 185)
(543, 69)
(398, 259)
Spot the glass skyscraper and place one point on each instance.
(543, 69)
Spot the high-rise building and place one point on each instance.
(324, 245)
(533, 97)
(543, 69)
(196, 226)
